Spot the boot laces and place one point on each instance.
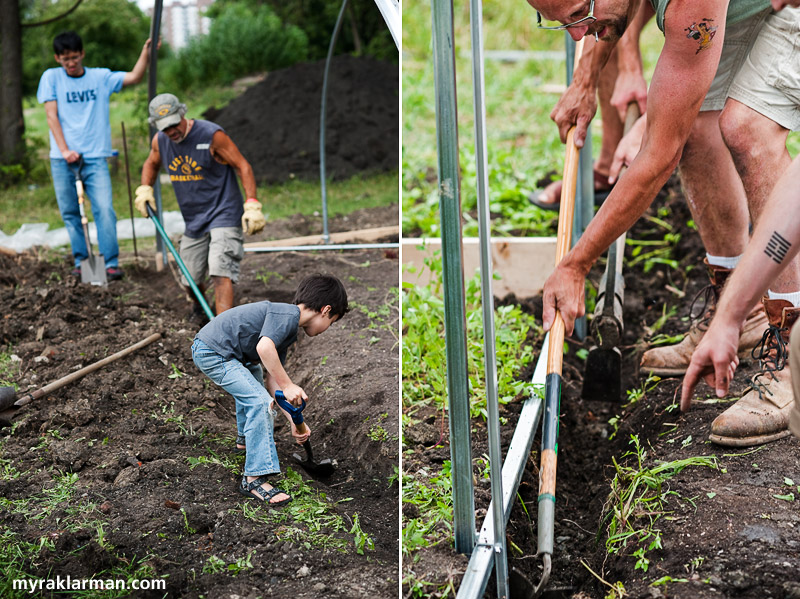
(771, 353)
(708, 295)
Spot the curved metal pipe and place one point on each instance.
(325, 235)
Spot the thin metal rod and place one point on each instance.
(130, 195)
(322, 175)
(330, 246)
(487, 300)
(455, 322)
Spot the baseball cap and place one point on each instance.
(166, 111)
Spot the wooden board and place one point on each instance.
(363, 235)
(523, 264)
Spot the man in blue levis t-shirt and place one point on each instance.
(202, 163)
(76, 101)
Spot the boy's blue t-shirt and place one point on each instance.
(235, 333)
(82, 108)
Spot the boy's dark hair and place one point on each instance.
(317, 291)
(67, 41)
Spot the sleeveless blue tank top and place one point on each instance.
(207, 191)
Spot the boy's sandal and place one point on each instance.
(240, 440)
(246, 488)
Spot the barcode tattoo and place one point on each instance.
(777, 247)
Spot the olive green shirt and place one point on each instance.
(738, 10)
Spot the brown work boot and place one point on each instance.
(762, 414)
(673, 360)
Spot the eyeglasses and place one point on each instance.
(587, 20)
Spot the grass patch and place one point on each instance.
(424, 379)
(309, 520)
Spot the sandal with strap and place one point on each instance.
(246, 488)
(240, 440)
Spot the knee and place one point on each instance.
(737, 130)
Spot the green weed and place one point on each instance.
(423, 345)
(638, 499)
(432, 496)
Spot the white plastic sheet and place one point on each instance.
(33, 234)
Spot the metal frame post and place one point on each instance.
(487, 301)
(155, 32)
(455, 322)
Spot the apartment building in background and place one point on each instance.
(183, 19)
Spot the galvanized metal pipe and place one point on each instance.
(322, 175)
(455, 322)
(498, 541)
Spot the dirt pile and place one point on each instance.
(276, 122)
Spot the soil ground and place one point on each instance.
(146, 443)
(723, 531)
(276, 122)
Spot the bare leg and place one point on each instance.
(223, 293)
(612, 126)
(714, 191)
(758, 147)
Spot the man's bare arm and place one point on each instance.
(224, 150)
(152, 164)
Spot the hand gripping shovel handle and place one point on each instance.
(197, 293)
(294, 411)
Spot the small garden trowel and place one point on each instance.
(323, 468)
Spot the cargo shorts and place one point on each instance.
(760, 67)
(218, 253)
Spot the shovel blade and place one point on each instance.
(323, 468)
(8, 396)
(602, 377)
(93, 271)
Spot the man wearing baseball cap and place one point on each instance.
(202, 163)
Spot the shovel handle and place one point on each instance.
(294, 411)
(47, 389)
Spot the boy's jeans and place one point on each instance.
(252, 401)
(97, 185)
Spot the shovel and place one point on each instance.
(323, 468)
(93, 268)
(10, 401)
(602, 378)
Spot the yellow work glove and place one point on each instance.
(144, 195)
(252, 219)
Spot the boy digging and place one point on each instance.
(231, 349)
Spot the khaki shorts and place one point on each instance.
(794, 370)
(218, 253)
(760, 67)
